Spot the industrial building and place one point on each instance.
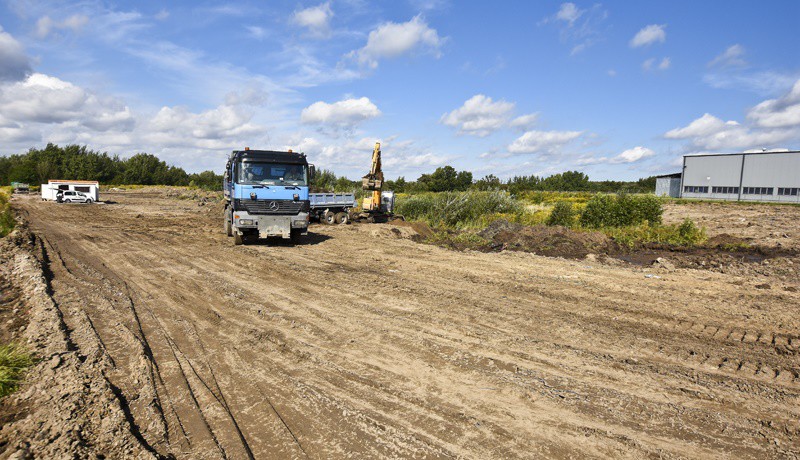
(758, 176)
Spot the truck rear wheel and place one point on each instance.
(238, 239)
(328, 217)
(341, 217)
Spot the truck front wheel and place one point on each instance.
(238, 239)
(228, 226)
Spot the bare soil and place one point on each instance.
(361, 343)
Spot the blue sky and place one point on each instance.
(619, 90)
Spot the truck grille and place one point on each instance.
(274, 207)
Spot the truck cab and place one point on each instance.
(266, 194)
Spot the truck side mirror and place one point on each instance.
(312, 171)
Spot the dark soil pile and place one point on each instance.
(552, 241)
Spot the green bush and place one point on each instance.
(461, 210)
(14, 360)
(7, 221)
(686, 234)
(621, 210)
(562, 214)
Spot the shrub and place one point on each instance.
(7, 221)
(457, 209)
(562, 214)
(686, 234)
(13, 362)
(621, 210)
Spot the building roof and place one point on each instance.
(671, 176)
(740, 153)
(85, 182)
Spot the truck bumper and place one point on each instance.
(268, 226)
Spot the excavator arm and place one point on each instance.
(373, 181)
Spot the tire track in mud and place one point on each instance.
(454, 355)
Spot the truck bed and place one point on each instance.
(327, 200)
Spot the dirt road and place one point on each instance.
(362, 344)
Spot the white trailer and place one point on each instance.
(89, 187)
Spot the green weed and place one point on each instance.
(14, 360)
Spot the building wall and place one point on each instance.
(668, 186)
(723, 177)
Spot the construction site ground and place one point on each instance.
(157, 337)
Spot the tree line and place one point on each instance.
(446, 178)
(76, 162)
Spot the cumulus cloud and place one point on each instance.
(44, 99)
(46, 25)
(479, 116)
(316, 19)
(543, 142)
(633, 155)
(733, 56)
(345, 113)
(649, 35)
(773, 121)
(176, 126)
(525, 122)
(14, 63)
(783, 112)
(390, 40)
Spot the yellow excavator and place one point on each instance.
(377, 206)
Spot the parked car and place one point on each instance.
(70, 196)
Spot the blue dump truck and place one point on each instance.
(266, 195)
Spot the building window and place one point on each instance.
(81, 188)
(695, 189)
(728, 190)
(785, 191)
(758, 190)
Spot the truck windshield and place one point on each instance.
(252, 172)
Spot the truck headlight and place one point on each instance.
(245, 221)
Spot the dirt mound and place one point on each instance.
(421, 228)
(724, 240)
(553, 241)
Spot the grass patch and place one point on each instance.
(458, 210)
(686, 234)
(458, 240)
(14, 360)
(7, 221)
(540, 197)
(562, 214)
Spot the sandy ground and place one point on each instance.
(360, 343)
(769, 225)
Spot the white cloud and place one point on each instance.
(765, 83)
(390, 40)
(545, 142)
(257, 32)
(569, 13)
(479, 116)
(46, 25)
(45, 99)
(704, 126)
(14, 63)
(733, 56)
(711, 133)
(783, 112)
(650, 64)
(579, 28)
(316, 19)
(176, 126)
(345, 113)
(525, 122)
(649, 35)
(633, 155)
(162, 15)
